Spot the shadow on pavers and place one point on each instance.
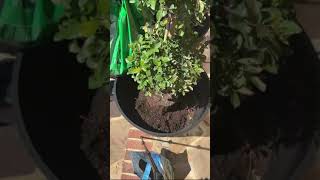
(179, 162)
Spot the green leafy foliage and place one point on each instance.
(168, 57)
(193, 10)
(250, 39)
(86, 25)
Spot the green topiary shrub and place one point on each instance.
(168, 57)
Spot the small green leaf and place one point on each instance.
(181, 33)
(235, 100)
(148, 93)
(134, 70)
(153, 4)
(130, 58)
(157, 62)
(271, 68)
(245, 91)
(248, 61)
(258, 83)
(140, 86)
(289, 28)
(238, 42)
(159, 15)
(88, 28)
(165, 59)
(238, 82)
(253, 69)
(74, 47)
(201, 6)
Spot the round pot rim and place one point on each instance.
(171, 134)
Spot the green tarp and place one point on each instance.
(27, 20)
(127, 22)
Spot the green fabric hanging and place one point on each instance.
(128, 25)
(26, 20)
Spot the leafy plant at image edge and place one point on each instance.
(86, 25)
(251, 37)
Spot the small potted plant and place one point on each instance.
(166, 91)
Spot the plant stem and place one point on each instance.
(166, 34)
(168, 28)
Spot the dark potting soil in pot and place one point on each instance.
(146, 114)
(165, 113)
(159, 116)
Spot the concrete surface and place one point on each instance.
(119, 129)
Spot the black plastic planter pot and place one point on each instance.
(125, 92)
(50, 94)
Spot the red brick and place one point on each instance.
(127, 156)
(136, 144)
(127, 177)
(134, 133)
(127, 168)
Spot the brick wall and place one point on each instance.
(133, 144)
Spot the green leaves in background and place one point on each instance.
(251, 37)
(86, 25)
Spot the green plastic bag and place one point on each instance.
(126, 27)
(24, 21)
